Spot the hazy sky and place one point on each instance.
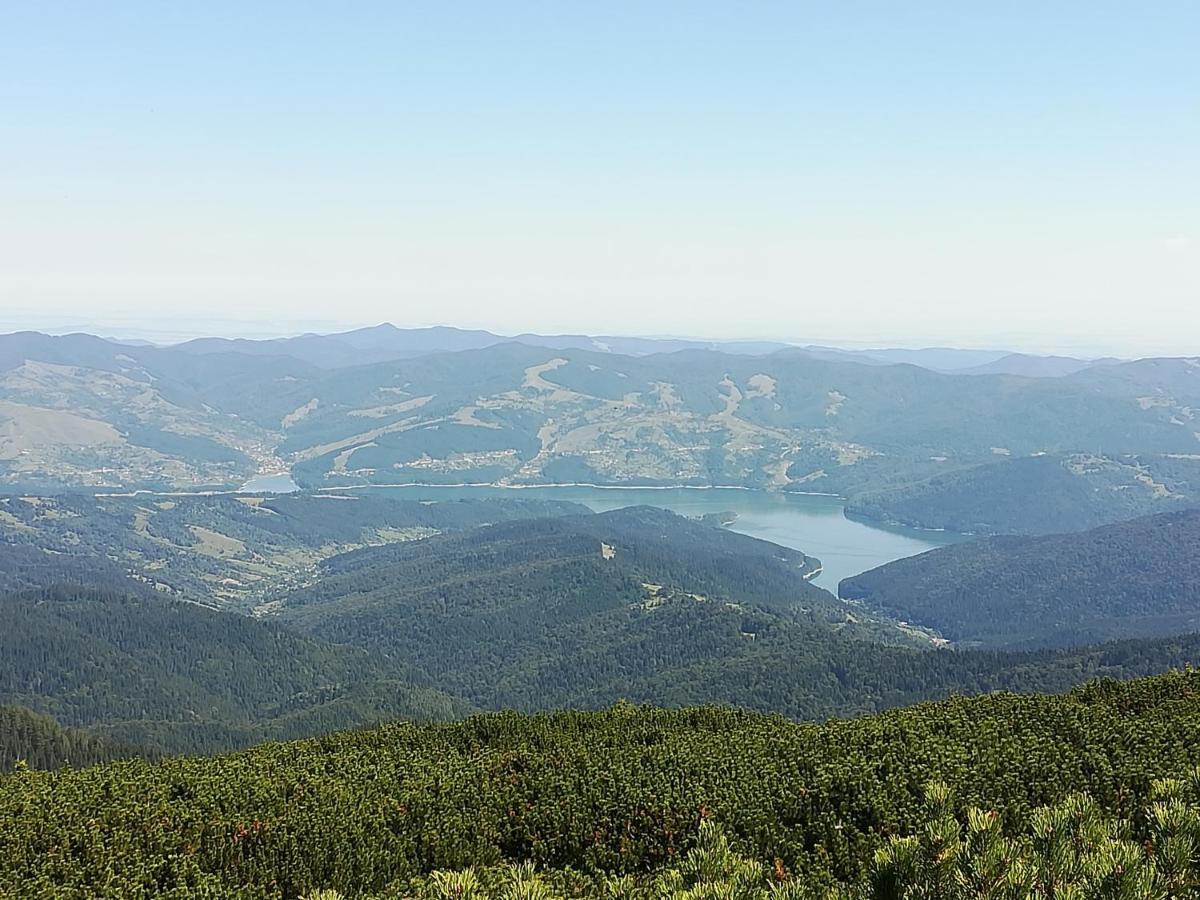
(1003, 173)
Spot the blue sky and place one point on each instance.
(1022, 174)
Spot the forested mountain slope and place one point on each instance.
(176, 676)
(645, 605)
(222, 550)
(605, 793)
(37, 741)
(556, 610)
(1135, 578)
(78, 410)
(1039, 494)
(575, 611)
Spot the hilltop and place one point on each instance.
(1137, 578)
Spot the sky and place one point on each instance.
(1004, 174)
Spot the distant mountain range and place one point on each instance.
(78, 411)
(381, 343)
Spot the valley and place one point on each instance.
(868, 582)
(637, 451)
(809, 522)
(902, 443)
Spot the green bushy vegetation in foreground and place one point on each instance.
(591, 798)
(1070, 850)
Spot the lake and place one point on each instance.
(280, 483)
(813, 524)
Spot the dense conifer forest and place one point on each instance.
(172, 676)
(1134, 578)
(562, 612)
(37, 741)
(621, 793)
(1041, 494)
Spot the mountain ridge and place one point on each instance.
(1135, 578)
(511, 413)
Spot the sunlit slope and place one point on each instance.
(518, 413)
(1132, 579)
(619, 791)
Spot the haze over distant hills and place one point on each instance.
(384, 342)
(446, 406)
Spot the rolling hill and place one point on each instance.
(78, 411)
(220, 550)
(1044, 494)
(644, 605)
(169, 676)
(1132, 579)
(386, 342)
(1035, 366)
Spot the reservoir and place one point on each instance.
(810, 523)
(279, 483)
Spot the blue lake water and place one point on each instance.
(813, 524)
(270, 484)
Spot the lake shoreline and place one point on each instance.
(814, 523)
(810, 522)
(582, 484)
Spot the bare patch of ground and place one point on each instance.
(299, 413)
(811, 476)
(534, 379)
(214, 544)
(731, 396)
(1158, 490)
(556, 393)
(836, 400)
(665, 392)
(8, 520)
(391, 409)
(761, 386)
(848, 454)
(1154, 402)
(361, 438)
(778, 472)
(400, 535)
(24, 428)
(339, 461)
(466, 416)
